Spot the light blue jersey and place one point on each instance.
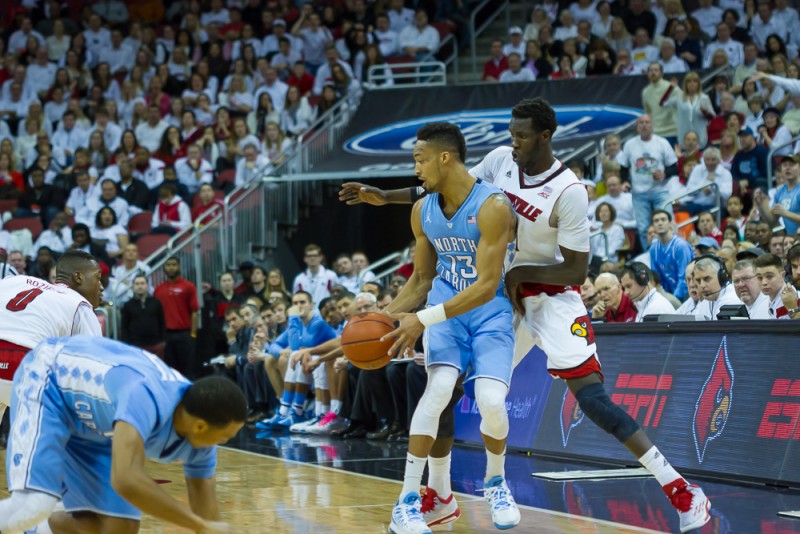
(456, 238)
(68, 393)
(480, 343)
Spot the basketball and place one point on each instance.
(361, 340)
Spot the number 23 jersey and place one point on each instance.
(32, 310)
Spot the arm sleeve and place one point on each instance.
(86, 321)
(295, 331)
(193, 304)
(279, 344)
(201, 463)
(670, 158)
(318, 333)
(793, 86)
(682, 256)
(573, 225)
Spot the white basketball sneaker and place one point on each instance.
(438, 511)
(505, 513)
(692, 504)
(407, 517)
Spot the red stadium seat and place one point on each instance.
(443, 28)
(150, 243)
(141, 223)
(34, 224)
(8, 205)
(227, 176)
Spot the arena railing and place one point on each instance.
(716, 209)
(411, 75)
(605, 240)
(487, 19)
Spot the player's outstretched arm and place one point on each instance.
(497, 224)
(203, 497)
(129, 479)
(416, 289)
(356, 193)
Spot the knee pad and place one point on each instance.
(597, 405)
(491, 397)
(24, 510)
(320, 375)
(438, 391)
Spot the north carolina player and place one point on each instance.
(462, 230)
(32, 310)
(550, 263)
(86, 412)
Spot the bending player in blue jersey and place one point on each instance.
(462, 231)
(85, 413)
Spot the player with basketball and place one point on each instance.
(462, 231)
(32, 310)
(87, 412)
(549, 265)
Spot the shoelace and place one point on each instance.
(411, 513)
(327, 419)
(498, 497)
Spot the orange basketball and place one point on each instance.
(361, 340)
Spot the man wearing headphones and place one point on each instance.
(715, 287)
(637, 281)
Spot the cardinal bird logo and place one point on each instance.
(714, 403)
(571, 415)
(582, 327)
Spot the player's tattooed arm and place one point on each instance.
(356, 193)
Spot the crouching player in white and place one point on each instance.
(462, 231)
(85, 413)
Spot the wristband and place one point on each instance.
(432, 315)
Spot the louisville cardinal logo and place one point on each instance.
(582, 327)
(571, 415)
(714, 403)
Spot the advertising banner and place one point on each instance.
(725, 403)
(380, 136)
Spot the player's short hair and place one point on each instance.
(659, 212)
(541, 114)
(216, 400)
(445, 134)
(73, 261)
(306, 293)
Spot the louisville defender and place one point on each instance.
(550, 263)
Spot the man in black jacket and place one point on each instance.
(143, 323)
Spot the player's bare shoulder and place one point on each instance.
(497, 211)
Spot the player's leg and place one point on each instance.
(491, 368)
(439, 505)
(284, 412)
(274, 374)
(571, 355)
(334, 386)
(322, 398)
(406, 516)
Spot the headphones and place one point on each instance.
(722, 274)
(641, 274)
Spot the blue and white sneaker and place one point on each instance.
(267, 424)
(303, 426)
(286, 421)
(407, 517)
(505, 513)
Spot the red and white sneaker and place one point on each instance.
(692, 504)
(438, 511)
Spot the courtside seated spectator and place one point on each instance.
(614, 305)
(637, 281)
(748, 290)
(716, 290)
(770, 273)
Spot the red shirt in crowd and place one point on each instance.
(626, 313)
(305, 84)
(179, 300)
(494, 68)
(199, 210)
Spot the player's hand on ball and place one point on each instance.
(215, 527)
(355, 193)
(406, 334)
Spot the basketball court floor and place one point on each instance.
(280, 483)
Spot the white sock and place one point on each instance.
(439, 475)
(284, 409)
(656, 463)
(318, 408)
(43, 528)
(336, 405)
(495, 465)
(325, 409)
(413, 477)
(298, 409)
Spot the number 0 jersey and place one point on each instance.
(456, 239)
(32, 310)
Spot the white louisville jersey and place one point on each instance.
(32, 310)
(552, 207)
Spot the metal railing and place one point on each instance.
(411, 75)
(716, 210)
(598, 233)
(502, 8)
